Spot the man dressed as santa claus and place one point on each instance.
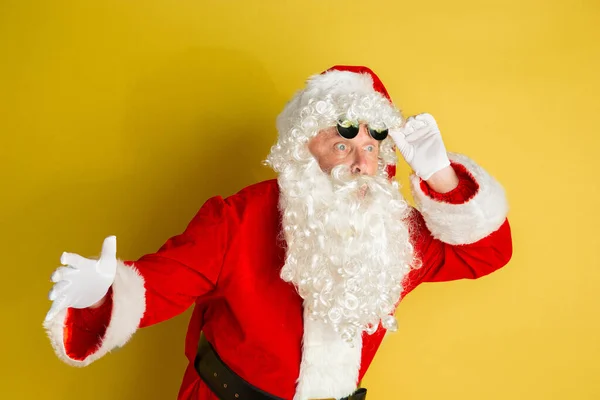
(295, 281)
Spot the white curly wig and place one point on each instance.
(339, 93)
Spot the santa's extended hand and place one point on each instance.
(420, 143)
(83, 282)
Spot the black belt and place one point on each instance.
(227, 385)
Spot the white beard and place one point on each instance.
(348, 246)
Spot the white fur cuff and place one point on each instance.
(468, 222)
(128, 308)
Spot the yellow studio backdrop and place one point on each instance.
(123, 117)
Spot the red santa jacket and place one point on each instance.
(227, 262)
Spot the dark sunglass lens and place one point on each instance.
(378, 134)
(347, 132)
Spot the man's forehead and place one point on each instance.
(329, 132)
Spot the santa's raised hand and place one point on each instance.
(83, 281)
(420, 143)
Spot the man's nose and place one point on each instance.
(359, 164)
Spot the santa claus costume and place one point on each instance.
(295, 281)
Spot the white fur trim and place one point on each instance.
(469, 222)
(330, 366)
(342, 82)
(128, 307)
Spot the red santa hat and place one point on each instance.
(340, 92)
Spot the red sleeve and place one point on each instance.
(186, 266)
(446, 262)
(170, 280)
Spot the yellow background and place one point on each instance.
(123, 117)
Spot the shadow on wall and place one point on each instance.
(199, 125)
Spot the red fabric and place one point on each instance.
(391, 171)
(227, 262)
(466, 189)
(85, 328)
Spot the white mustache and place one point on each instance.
(345, 182)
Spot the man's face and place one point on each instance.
(360, 154)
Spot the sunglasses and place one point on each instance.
(349, 130)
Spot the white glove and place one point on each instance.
(83, 282)
(420, 143)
